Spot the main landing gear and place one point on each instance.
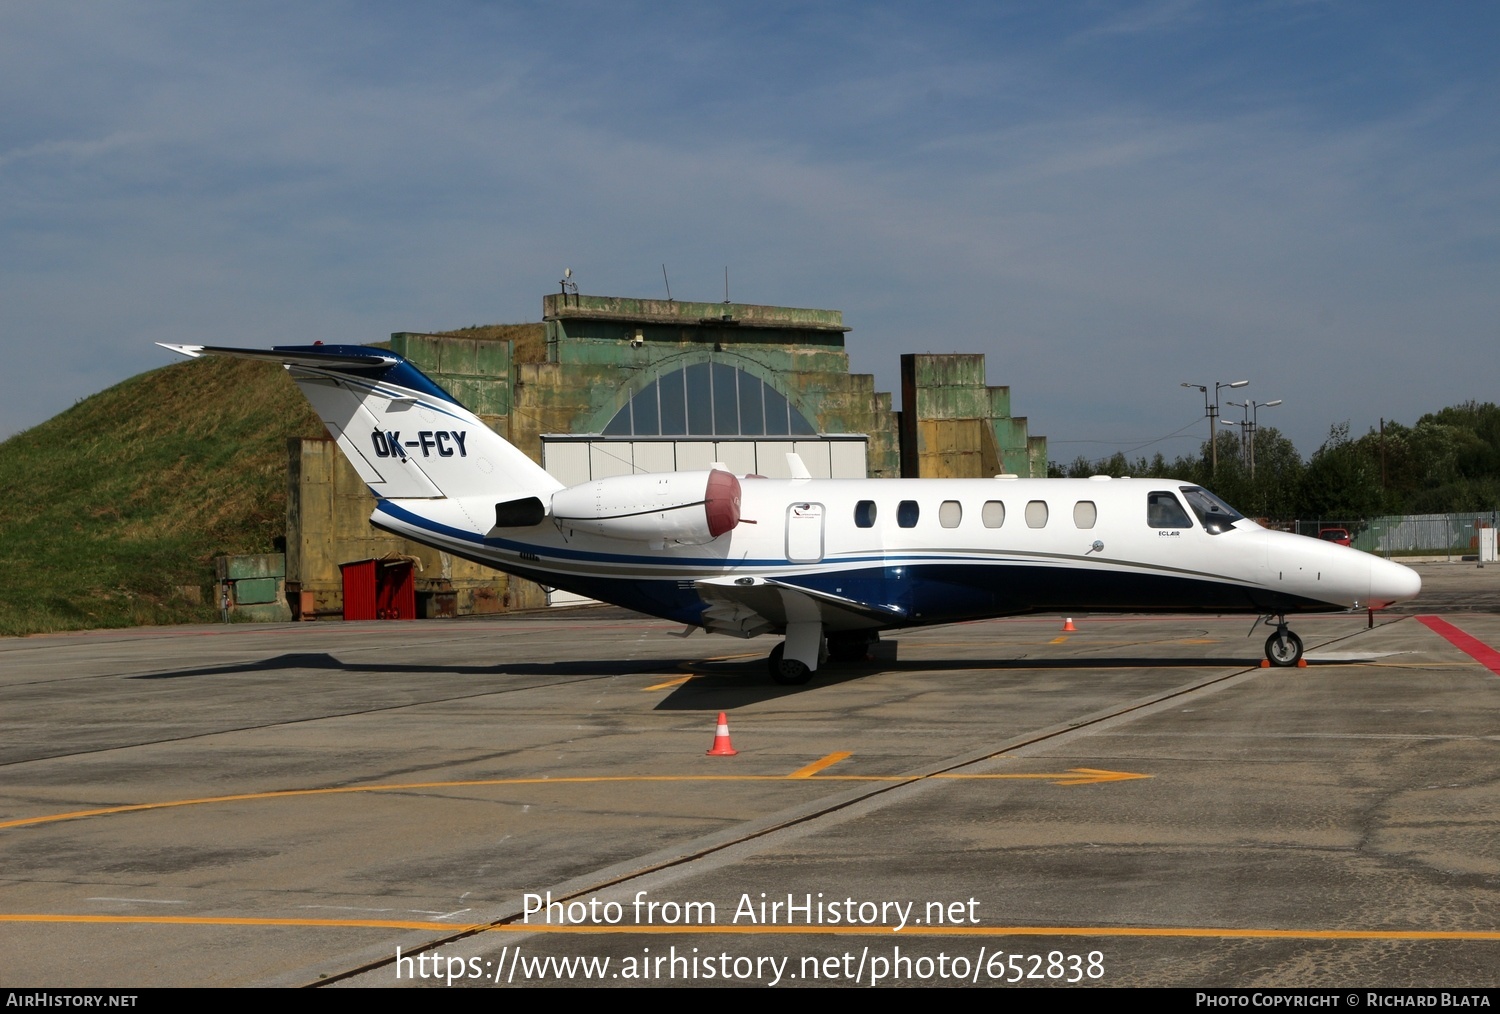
(787, 672)
(1283, 648)
(793, 662)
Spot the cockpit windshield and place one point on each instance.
(1216, 515)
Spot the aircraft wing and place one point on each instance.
(746, 606)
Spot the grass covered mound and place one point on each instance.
(114, 510)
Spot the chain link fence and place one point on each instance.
(1451, 536)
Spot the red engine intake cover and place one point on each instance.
(721, 502)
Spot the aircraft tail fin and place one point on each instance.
(404, 435)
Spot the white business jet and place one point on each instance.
(829, 563)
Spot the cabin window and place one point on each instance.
(1163, 511)
(864, 514)
(993, 514)
(1085, 514)
(907, 513)
(950, 514)
(1036, 514)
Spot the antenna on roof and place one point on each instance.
(669, 284)
(726, 283)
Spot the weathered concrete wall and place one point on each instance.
(475, 371)
(1036, 454)
(677, 313)
(953, 425)
(602, 350)
(255, 586)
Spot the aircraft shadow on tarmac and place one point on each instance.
(325, 661)
(718, 685)
(712, 685)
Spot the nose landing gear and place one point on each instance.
(1283, 648)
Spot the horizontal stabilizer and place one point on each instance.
(343, 357)
(405, 436)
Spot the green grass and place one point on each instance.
(114, 510)
(530, 339)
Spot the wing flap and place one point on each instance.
(747, 606)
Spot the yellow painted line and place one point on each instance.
(1058, 640)
(669, 683)
(819, 765)
(1075, 776)
(1203, 932)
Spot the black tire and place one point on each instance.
(1283, 654)
(787, 672)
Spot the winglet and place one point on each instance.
(188, 350)
(797, 466)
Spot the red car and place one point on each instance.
(1338, 535)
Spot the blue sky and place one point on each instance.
(1107, 199)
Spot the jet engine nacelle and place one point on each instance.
(660, 507)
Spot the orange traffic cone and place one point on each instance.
(1068, 625)
(722, 746)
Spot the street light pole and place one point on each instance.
(1255, 408)
(1206, 410)
(1212, 411)
(1205, 407)
(1245, 452)
(1237, 383)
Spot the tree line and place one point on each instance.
(1449, 461)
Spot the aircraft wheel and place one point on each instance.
(1284, 649)
(788, 672)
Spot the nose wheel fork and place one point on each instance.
(1283, 648)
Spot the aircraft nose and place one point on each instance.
(1391, 582)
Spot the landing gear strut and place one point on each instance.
(1283, 648)
(793, 661)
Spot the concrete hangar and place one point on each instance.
(608, 386)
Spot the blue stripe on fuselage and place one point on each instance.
(925, 590)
